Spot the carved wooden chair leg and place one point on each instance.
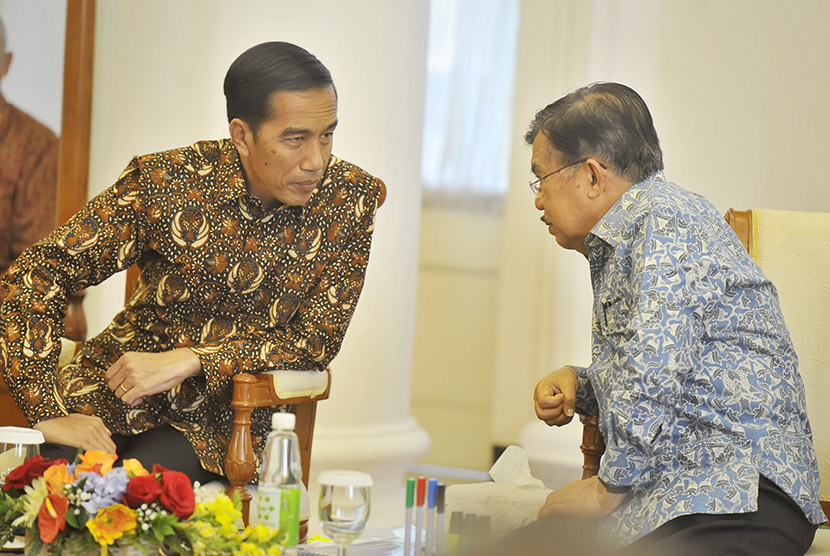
(240, 463)
(593, 446)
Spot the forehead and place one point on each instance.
(307, 109)
(542, 155)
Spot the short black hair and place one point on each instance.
(265, 69)
(606, 120)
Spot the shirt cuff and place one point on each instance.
(614, 489)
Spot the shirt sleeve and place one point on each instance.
(656, 331)
(586, 400)
(312, 337)
(100, 240)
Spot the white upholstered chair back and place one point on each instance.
(793, 251)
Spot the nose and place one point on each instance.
(315, 157)
(538, 204)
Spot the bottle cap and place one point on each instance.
(284, 421)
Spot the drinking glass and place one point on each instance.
(344, 505)
(17, 444)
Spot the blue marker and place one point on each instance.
(433, 485)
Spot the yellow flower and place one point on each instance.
(111, 523)
(134, 468)
(260, 533)
(248, 549)
(57, 476)
(92, 458)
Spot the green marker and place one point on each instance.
(410, 500)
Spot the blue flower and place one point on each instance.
(103, 490)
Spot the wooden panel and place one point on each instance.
(73, 164)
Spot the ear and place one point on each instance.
(598, 176)
(5, 63)
(241, 135)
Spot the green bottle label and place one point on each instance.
(279, 508)
(289, 517)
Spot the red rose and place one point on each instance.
(142, 490)
(22, 476)
(176, 492)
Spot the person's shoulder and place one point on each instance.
(197, 155)
(343, 172)
(34, 131)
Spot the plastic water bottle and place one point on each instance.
(280, 480)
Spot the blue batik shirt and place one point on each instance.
(693, 371)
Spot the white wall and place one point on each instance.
(35, 31)
(737, 90)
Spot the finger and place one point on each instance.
(551, 402)
(103, 437)
(558, 421)
(114, 368)
(121, 390)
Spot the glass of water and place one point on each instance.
(344, 505)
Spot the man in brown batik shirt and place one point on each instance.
(252, 253)
(28, 176)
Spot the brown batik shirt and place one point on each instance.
(28, 182)
(246, 289)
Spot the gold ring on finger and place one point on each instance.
(125, 389)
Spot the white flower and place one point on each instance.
(32, 500)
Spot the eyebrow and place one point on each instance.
(293, 131)
(534, 168)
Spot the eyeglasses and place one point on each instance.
(535, 184)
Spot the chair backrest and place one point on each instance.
(790, 248)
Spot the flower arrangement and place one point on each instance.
(90, 505)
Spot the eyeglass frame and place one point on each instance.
(536, 184)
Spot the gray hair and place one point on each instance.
(2, 37)
(605, 120)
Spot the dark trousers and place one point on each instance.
(778, 528)
(164, 445)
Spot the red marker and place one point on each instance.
(420, 491)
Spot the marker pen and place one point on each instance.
(407, 532)
(433, 485)
(419, 513)
(440, 549)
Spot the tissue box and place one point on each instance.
(509, 506)
(512, 500)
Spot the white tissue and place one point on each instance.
(512, 500)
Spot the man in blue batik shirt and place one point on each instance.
(693, 374)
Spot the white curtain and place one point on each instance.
(469, 95)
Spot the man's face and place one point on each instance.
(562, 197)
(285, 160)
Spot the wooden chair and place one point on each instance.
(263, 390)
(791, 249)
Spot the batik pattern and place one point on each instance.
(246, 289)
(693, 371)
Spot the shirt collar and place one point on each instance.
(230, 165)
(612, 226)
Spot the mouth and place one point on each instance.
(307, 186)
(547, 223)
